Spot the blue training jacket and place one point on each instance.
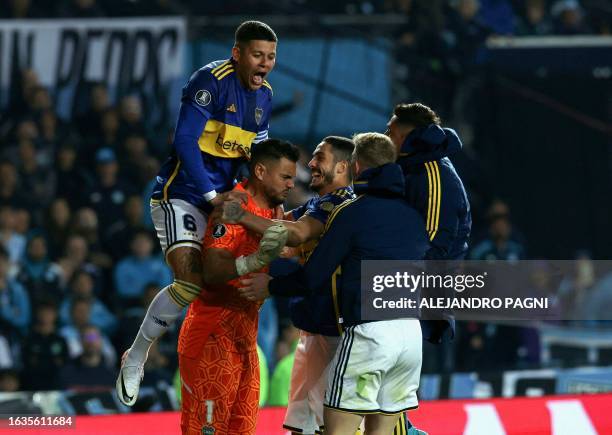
(377, 225)
(435, 190)
(218, 122)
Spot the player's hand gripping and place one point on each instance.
(270, 247)
(229, 211)
(255, 287)
(232, 195)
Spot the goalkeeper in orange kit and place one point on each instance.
(217, 343)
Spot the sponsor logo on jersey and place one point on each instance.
(233, 146)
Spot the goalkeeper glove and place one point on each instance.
(270, 247)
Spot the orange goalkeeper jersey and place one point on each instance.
(219, 310)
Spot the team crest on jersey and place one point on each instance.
(258, 115)
(219, 231)
(208, 430)
(202, 97)
(326, 206)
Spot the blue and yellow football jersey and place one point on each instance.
(315, 313)
(235, 119)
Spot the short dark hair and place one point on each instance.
(252, 31)
(273, 149)
(342, 147)
(416, 114)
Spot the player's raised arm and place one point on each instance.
(200, 97)
(301, 231)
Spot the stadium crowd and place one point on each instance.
(502, 17)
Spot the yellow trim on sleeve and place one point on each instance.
(438, 199)
(225, 74)
(218, 69)
(429, 198)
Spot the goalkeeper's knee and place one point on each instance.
(183, 293)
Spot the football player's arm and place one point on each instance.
(200, 96)
(300, 231)
(219, 265)
(442, 218)
(333, 247)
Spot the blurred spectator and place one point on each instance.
(536, 21)
(23, 221)
(10, 192)
(52, 132)
(14, 300)
(598, 306)
(90, 123)
(38, 181)
(6, 353)
(72, 179)
(131, 317)
(21, 95)
(498, 245)
(134, 153)
(118, 236)
(141, 268)
(157, 367)
(82, 287)
(44, 351)
(267, 332)
(57, 226)
(9, 381)
(86, 225)
(575, 290)
(109, 191)
(281, 377)
(76, 257)
(10, 239)
(569, 18)
(89, 370)
(131, 117)
(38, 274)
(80, 317)
(109, 125)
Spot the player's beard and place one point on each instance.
(276, 198)
(326, 178)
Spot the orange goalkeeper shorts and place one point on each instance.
(220, 391)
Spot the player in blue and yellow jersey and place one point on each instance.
(225, 109)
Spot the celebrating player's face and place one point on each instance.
(278, 180)
(255, 60)
(322, 167)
